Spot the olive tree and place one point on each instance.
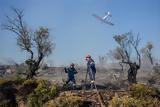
(117, 54)
(128, 45)
(36, 43)
(147, 51)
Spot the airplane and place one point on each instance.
(104, 18)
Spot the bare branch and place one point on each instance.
(31, 42)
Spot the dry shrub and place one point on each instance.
(141, 90)
(2, 81)
(140, 96)
(126, 101)
(65, 100)
(29, 82)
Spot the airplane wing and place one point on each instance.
(105, 17)
(94, 15)
(108, 22)
(99, 18)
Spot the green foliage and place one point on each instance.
(141, 90)
(65, 100)
(11, 81)
(29, 61)
(34, 100)
(29, 82)
(18, 80)
(44, 92)
(35, 92)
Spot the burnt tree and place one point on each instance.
(128, 49)
(147, 51)
(36, 43)
(117, 54)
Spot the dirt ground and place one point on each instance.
(103, 76)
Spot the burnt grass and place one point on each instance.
(106, 83)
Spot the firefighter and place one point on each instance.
(71, 72)
(91, 69)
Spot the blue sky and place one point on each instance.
(76, 32)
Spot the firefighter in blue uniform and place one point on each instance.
(91, 70)
(71, 72)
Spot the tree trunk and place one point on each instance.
(132, 73)
(30, 75)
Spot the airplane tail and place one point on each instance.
(109, 14)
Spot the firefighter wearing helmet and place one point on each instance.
(91, 69)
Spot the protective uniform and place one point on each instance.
(71, 72)
(91, 69)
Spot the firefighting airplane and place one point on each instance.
(104, 18)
